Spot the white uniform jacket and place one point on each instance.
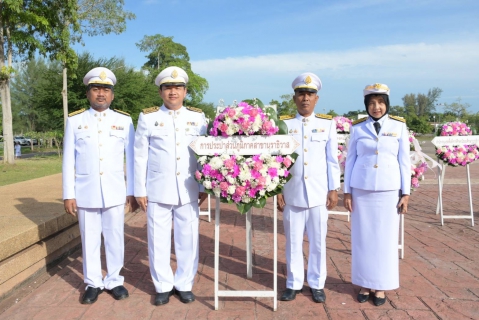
(316, 171)
(93, 158)
(165, 165)
(378, 162)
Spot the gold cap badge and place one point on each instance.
(103, 75)
(174, 74)
(307, 80)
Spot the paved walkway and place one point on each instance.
(439, 275)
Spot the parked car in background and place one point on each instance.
(29, 140)
(21, 140)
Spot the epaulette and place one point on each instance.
(194, 109)
(324, 116)
(287, 117)
(150, 110)
(122, 112)
(360, 120)
(397, 118)
(74, 113)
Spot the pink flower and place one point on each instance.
(287, 162)
(224, 186)
(273, 172)
(258, 165)
(240, 191)
(231, 112)
(229, 163)
(198, 175)
(261, 181)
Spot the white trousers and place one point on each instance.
(315, 220)
(93, 222)
(186, 239)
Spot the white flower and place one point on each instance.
(262, 192)
(224, 172)
(230, 131)
(276, 179)
(271, 186)
(231, 189)
(202, 160)
(280, 172)
(264, 171)
(217, 191)
(207, 184)
(230, 179)
(224, 156)
(275, 164)
(246, 199)
(216, 163)
(346, 126)
(245, 175)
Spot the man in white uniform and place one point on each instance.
(165, 186)
(312, 190)
(95, 144)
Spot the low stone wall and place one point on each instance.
(35, 231)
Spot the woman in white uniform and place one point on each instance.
(377, 184)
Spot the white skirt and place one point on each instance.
(374, 239)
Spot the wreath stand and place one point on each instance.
(439, 207)
(454, 141)
(207, 212)
(249, 260)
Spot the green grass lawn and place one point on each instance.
(31, 168)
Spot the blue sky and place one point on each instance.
(249, 49)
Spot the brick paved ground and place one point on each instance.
(439, 275)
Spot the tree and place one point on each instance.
(163, 52)
(418, 124)
(27, 27)
(457, 108)
(423, 104)
(286, 106)
(332, 113)
(397, 111)
(27, 91)
(95, 17)
(353, 115)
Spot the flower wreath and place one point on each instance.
(418, 164)
(246, 181)
(458, 155)
(343, 126)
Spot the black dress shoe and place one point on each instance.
(379, 301)
(289, 294)
(119, 293)
(91, 295)
(163, 297)
(318, 295)
(363, 297)
(185, 296)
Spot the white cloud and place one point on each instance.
(406, 68)
(402, 60)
